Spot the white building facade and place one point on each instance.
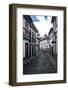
(44, 43)
(29, 38)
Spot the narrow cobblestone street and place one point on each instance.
(40, 65)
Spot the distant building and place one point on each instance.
(44, 45)
(29, 37)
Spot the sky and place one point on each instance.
(42, 23)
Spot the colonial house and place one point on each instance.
(54, 21)
(53, 37)
(51, 46)
(26, 36)
(33, 42)
(38, 42)
(29, 37)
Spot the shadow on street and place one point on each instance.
(40, 65)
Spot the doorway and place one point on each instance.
(26, 50)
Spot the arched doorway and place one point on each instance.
(26, 50)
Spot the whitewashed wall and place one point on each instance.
(43, 44)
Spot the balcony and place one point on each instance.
(26, 34)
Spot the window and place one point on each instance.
(26, 25)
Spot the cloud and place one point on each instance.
(43, 25)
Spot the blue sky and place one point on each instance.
(34, 18)
(42, 23)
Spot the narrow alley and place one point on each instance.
(40, 65)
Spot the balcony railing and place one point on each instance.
(26, 34)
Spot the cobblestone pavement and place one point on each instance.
(40, 65)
